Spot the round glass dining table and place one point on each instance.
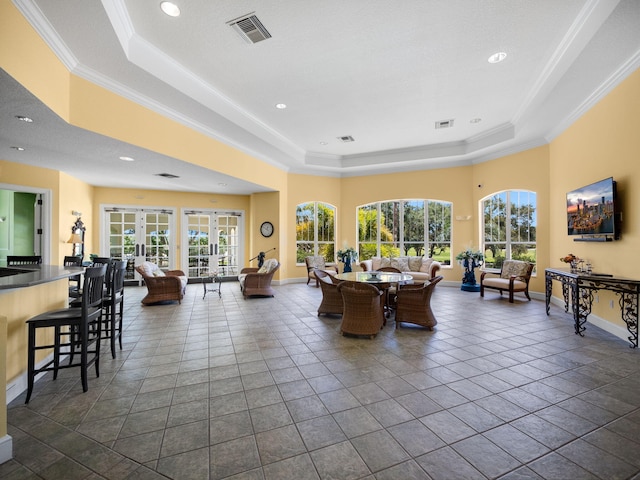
(375, 277)
(382, 280)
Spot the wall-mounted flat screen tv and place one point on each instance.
(591, 209)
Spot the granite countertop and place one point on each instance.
(36, 275)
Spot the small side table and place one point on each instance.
(212, 279)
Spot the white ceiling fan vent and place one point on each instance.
(250, 29)
(444, 124)
(346, 139)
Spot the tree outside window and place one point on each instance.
(509, 227)
(405, 228)
(315, 231)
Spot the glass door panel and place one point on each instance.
(138, 235)
(213, 240)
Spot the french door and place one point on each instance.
(137, 235)
(214, 241)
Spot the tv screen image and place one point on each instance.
(591, 209)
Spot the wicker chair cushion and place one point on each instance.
(268, 265)
(149, 268)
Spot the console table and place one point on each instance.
(578, 289)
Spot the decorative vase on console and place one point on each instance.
(573, 262)
(347, 256)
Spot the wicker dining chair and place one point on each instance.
(413, 304)
(363, 309)
(331, 298)
(318, 261)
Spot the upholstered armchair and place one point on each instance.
(162, 286)
(331, 297)
(514, 277)
(413, 304)
(257, 281)
(318, 261)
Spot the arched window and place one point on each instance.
(509, 227)
(405, 227)
(315, 231)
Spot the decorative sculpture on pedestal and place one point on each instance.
(347, 256)
(470, 260)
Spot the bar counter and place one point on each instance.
(31, 276)
(22, 296)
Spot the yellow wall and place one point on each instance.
(303, 189)
(75, 195)
(528, 170)
(603, 143)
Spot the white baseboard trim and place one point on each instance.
(19, 384)
(596, 321)
(6, 449)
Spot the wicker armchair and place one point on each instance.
(318, 262)
(162, 286)
(414, 304)
(363, 309)
(331, 298)
(514, 277)
(257, 281)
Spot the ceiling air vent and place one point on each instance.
(250, 29)
(166, 175)
(444, 124)
(346, 139)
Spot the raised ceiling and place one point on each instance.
(383, 73)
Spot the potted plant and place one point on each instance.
(469, 260)
(346, 256)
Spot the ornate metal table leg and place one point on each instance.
(629, 307)
(582, 309)
(547, 291)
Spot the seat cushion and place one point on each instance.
(503, 283)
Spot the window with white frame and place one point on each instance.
(405, 227)
(509, 227)
(315, 231)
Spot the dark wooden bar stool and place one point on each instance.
(75, 328)
(113, 304)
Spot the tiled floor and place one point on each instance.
(264, 389)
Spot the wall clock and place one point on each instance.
(266, 229)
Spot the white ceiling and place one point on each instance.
(382, 72)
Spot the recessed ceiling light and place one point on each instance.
(497, 57)
(170, 9)
(324, 143)
(281, 106)
(127, 159)
(20, 149)
(475, 120)
(24, 119)
(221, 184)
